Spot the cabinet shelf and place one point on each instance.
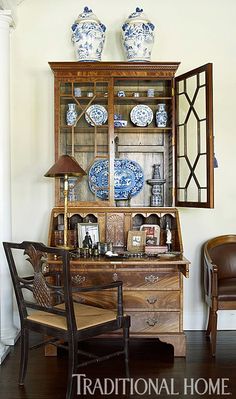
(143, 130)
(82, 129)
(133, 99)
(82, 98)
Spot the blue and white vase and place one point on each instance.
(161, 115)
(88, 36)
(71, 115)
(138, 37)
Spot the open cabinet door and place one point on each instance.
(194, 168)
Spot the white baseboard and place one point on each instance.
(4, 350)
(198, 320)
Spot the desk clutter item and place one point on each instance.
(152, 234)
(156, 249)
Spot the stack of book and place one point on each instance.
(155, 249)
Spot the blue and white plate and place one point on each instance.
(96, 115)
(128, 178)
(141, 115)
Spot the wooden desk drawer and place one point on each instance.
(139, 280)
(150, 300)
(154, 322)
(134, 300)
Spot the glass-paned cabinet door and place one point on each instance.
(194, 138)
(83, 133)
(143, 127)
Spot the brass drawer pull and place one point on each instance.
(115, 277)
(151, 279)
(151, 300)
(78, 279)
(151, 321)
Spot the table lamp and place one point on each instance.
(66, 166)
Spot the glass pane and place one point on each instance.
(192, 192)
(200, 171)
(192, 138)
(202, 78)
(180, 87)
(200, 103)
(181, 141)
(203, 136)
(204, 195)
(183, 108)
(183, 177)
(181, 195)
(191, 87)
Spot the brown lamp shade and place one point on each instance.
(65, 165)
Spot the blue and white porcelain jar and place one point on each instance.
(161, 115)
(71, 115)
(88, 36)
(138, 36)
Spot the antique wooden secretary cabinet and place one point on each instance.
(113, 154)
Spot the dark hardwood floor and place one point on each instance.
(149, 359)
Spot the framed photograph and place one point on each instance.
(136, 241)
(152, 233)
(88, 234)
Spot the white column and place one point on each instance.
(8, 333)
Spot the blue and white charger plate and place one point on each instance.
(96, 115)
(141, 115)
(128, 178)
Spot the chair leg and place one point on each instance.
(72, 369)
(24, 354)
(208, 330)
(213, 332)
(126, 347)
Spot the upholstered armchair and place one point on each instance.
(219, 257)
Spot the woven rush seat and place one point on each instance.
(85, 316)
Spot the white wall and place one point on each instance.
(193, 32)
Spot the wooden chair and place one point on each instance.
(219, 257)
(55, 312)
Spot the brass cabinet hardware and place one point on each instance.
(115, 277)
(151, 300)
(78, 279)
(151, 321)
(151, 279)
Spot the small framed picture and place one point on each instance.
(152, 233)
(136, 241)
(88, 234)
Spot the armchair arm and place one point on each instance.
(114, 284)
(210, 276)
